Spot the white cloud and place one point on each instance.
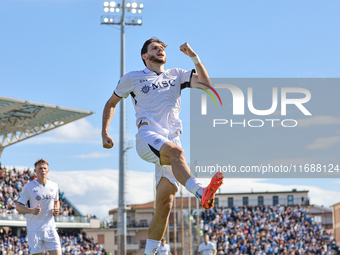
(80, 131)
(323, 143)
(96, 192)
(318, 120)
(93, 155)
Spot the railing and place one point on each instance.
(10, 216)
(72, 219)
(131, 225)
(130, 247)
(266, 201)
(22, 217)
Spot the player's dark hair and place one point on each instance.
(40, 161)
(146, 44)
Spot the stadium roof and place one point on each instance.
(20, 119)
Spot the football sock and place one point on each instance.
(151, 246)
(194, 187)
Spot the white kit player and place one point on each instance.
(207, 247)
(39, 200)
(164, 249)
(155, 94)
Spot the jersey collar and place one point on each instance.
(38, 183)
(147, 70)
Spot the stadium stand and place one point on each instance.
(266, 230)
(71, 243)
(11, 183)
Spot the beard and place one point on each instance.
(153, 59)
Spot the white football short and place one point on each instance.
(38, 240)
(148, 144)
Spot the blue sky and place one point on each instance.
(56, 52)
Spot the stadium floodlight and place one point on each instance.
(122, 21)
(114, 7)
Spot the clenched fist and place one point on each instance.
(36, 210)
(187, 50)
(107, 142)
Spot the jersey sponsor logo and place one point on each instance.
(143, 80)
(157, 85)
(163, 84)
(47, 197)
(44, 197)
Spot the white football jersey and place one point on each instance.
(156, 97)
(34, 194)
(207, 249)
(163, 250)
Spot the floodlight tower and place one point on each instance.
(117, 17)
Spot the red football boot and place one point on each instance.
(208, 197)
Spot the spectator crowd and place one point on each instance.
(259, 230)
(71, 243)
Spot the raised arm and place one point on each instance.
(202, 75)
(108, 113)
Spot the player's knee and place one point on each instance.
(177, 154)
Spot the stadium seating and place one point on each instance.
(71, 243)
(266, 230)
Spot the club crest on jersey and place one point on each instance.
(38, 197)
(145, 89)
(157, 141)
